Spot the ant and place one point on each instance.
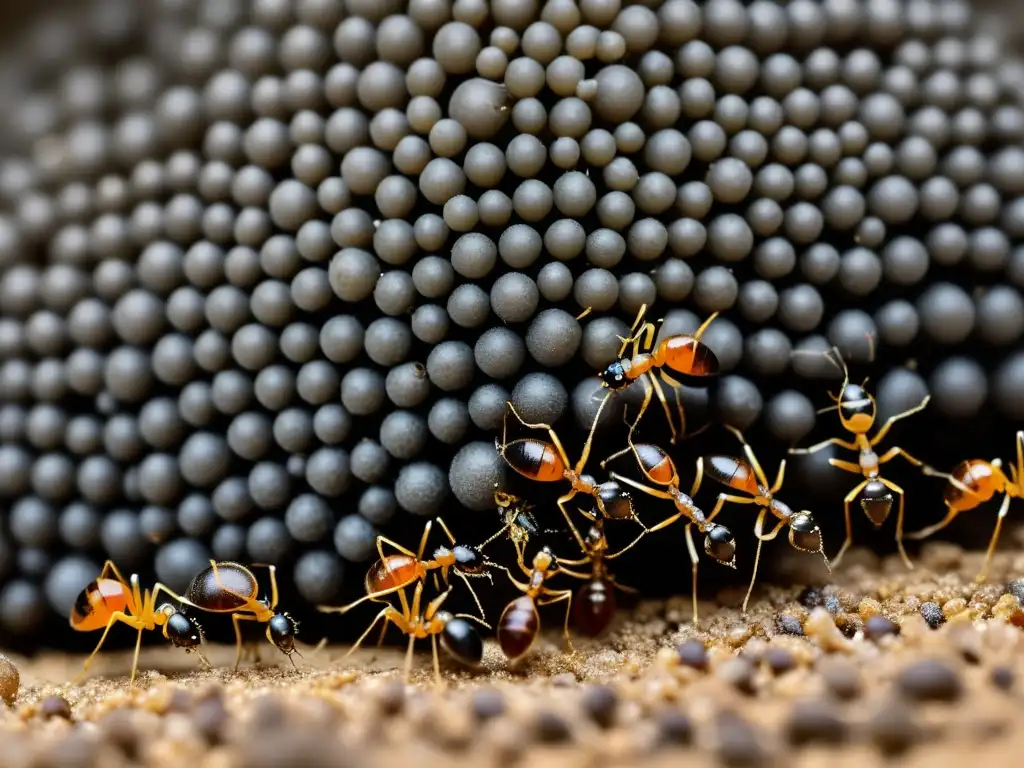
(856, 407)
(520, 522)
(229, 587)
(595, 599)
(748, 477)
(659, 469)
(684, 354)
(547, 462)
(394, 572)
(974, 482)
(106, 601)
(459, 638)
(519, 624)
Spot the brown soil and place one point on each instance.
(848, 691)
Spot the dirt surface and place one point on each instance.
(852, 674)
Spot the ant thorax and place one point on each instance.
(780, 509)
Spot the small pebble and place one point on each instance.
(1016, 588)
(737, 672)
(55, 706)
(1003, 677)
(815, 722)
(932, 613)
(812, 597)
(10, 680)
(600, 703)
(488, 703)
(391, 698)
(930, 680)
(693, 654)
(877, 627)
(841, 677)
(552, 728)
(779, 660)
(789, 625)
(674, 727)
(738, 742)
(892, 728)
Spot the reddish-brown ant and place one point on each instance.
(231, 588)
(595, 601)
(394, 572)
(519, 624)
(974, 482)
(547, 462)
(659, 469)
(683, 354)
(106, 601)
(748, 477)
(856, 407)
(459, 638)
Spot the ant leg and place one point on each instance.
(1003, 509)
(235, 618)
(382, 540)
(849, 523)
(585, 453)
(675, 385)
(1020, 456)
(757, 555)
(574, 574)
(893, 419)
(374, 596)
(562, 501)
(924, 533)
(694, 565)
(899, 522)
(846, 466)
(110, 568)
(384, 614)
(437, 662)
(407, 673)
(698, 478)
(723, 498)
(750, 455)
(824, 444)
(641, 487)
(135, 658)
(779, 478)
(704, 326)
(116, 616)
(383, 632)
(893, 452)
(565, 595)
(479, 607)
(664, 406)
(447, 531)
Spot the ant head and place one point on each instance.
(614, 376)
(281, 631)
(181, 630)
(615, 501)
(876, 501)
(720, 543)
(544, 560)
(856, 408)
(804, 533)
(468, 559)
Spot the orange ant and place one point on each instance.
(459, 638)
(519, 624)
(232, 588)
(856, 407)
(394, 572)
(106, 601)
(974, 482)
(659, 469)
(595, 599)
(547, 462)
(748, 477)
(684, 354)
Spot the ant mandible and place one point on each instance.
(547, 462)
(106, 601)
(228, 587)
(459, 638)
(856, 407)
(974, 482)
(595, 600)
(749, 478)
(519, 624)
(394, 572)
(684, 354)
(659, 469)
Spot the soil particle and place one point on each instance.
(739, 744)
(841, 678)
(892, 728)
(1003, 677)
(600, 702)
(739, 673)
(552, 728)
(815, 721)
(877, 627)
(779, 660)
(674, 727)
(55, 706)
(10, 681)
(488, 703)
(1016, 588)
(789, 625)
(930, 680)
(693, 654)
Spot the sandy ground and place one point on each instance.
(850, 675)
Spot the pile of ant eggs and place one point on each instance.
(271, 269)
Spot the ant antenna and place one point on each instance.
(585, 312)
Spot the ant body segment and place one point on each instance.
(683, 354)
(229, 587)
(595, 600)
(519, 521)
(519, 624)
(856, 407)
(974, 482)
(458, 637)
(547, 462)
(394, 572)
(659, 469)
(106, 601)
(748, 477)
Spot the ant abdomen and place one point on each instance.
(594, 607)
(518, 628)
(876, 501)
